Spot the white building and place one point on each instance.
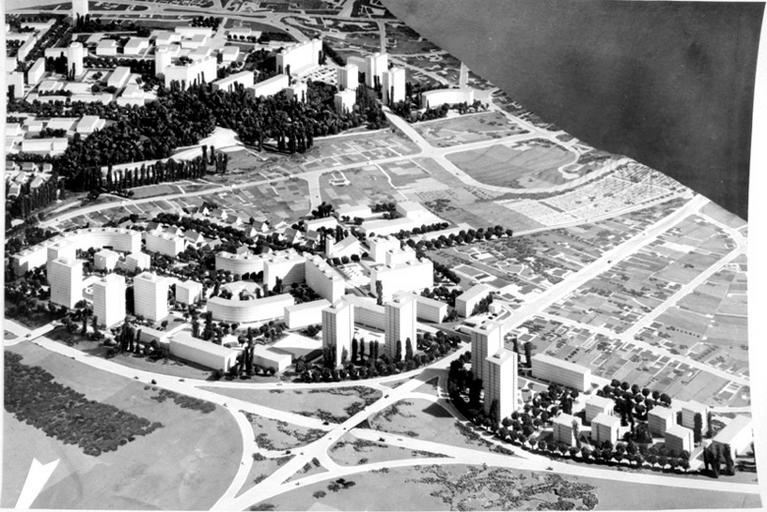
(231, 82)
(203, 353)
(324, 279)
(375, 66)
(188, 292)
(348, 77)
(305, 314)
(438, 97)
(119, 77)
(79, 8)
(500, 382)
(412, 276)
(604, 427)
(486, 340)
(241, 262)
(660, 419)
(561, 372)
(247, 311)
(89, 124)
(150, 296)
(468, 300)
(106, 48)
(136, 46)
(105, 259)
(400, 256)
(565, 428)
(738, 435)
(268, 358)
(393, 86)
(15, 80)
(299, 58)
(338, 329)
(36, 72)
(427, 309)
(348, 247)
(269, 87)
(65, 276)
(229, 53)
(190, 73)
(689, 410)
(298, 90)
(165, 243)
(163, 58)
(288, 265)
(596, 405)
(109, 300)
(380, 245)
(138, 261)
(400, 317)
(367, 312)
(75, 56)
(345, 100)
(678, 439)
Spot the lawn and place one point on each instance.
(530, 164)
(279, 435)
(468, 128)
(186, 464)
(333, 405)
(425, 420)
(261, 469)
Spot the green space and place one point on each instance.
(331, 404)
(467, 128)
(279, 435)
(351, 451)
(186, 464)
(530, 164)
(262, 467)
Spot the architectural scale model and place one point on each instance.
(266, 255)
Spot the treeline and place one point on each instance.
(30, 199)
(88, 24)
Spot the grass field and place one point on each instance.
(333, 405)
(366, 185)
(350, 451)
(468, 128)
(186, 464)
(279, 435)
(530, 164)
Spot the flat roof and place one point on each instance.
(475, 291)
(733, 429)
(561, 363)
(321, 303)
(185, 338)
(606, 419)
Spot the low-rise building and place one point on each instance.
(105, 259)
(188, 292)
(230, 83)
(106, 48)
(288, 266)
(367, 312)
(438, 97)
(269, 87)
(468, 300)
(137, 261)
(565, 429)
(660, 419)
(305, 314)
(203, 353)
(736, 436)
(596, 405)
(678, 439)
(252, 310)
(428, 309)
(269, 358)
(136, 46)
(561, 372)
(324, 279)
(119, 77)
(165, 243)
(412, 276)
(605, 427)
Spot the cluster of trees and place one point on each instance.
(366, 361)
(714, 456)
(206, 21)
(31, 199)
(483, 306)
(442, 293)
(463, 237)
(410, 111)
(96, 24)
(33, 396)
(324, 210)
(442, 271)
(59, 34)
(634, 403)
(329, 51)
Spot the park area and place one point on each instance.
(530, 164)
(468, 128)
(186, 462)
(352, 451)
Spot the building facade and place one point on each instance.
(150, 296)
(109, 300)
(338, 329)
(400, 317)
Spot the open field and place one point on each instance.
(467, 128)
(364, 185)
(463, 487)
(333, 405)
(262, 468)
(529, 164)
(357, 149)
(425, 420)
(186, 464)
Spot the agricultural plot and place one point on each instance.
(356, 149)
(157, 470)
(364, 185)
(530, 164)
(468, 128)
(334, 405)
(621, 295)
(403, 173)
